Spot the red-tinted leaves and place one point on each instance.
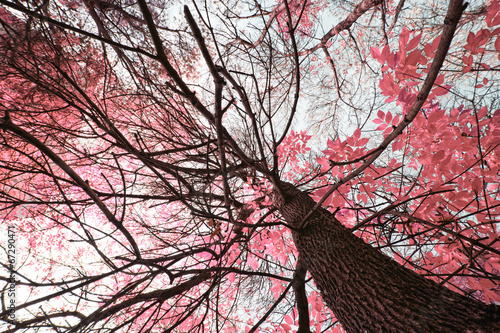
(414, 42)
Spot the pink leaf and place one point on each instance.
(397, 145)
(413, 42)
(430, 48)
(388, 117)
(481, 113)
(403, 38)
(356, 135)
(477, 184)
(362, 142)
(493, 10)
(376, 55)
(395, 121)
(286, 327)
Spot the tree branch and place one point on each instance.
(299, 286)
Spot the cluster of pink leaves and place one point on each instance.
(303, 14)
(293, 147)
(476, 42)
(440, 177)
(450, 154)
(62, 241)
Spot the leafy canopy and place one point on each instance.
(140, 145)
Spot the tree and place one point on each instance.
(159, 177)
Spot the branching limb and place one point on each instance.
(299, 286)
(359, 10)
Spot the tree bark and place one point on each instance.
(366, 290)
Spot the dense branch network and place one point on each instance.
(148, 152)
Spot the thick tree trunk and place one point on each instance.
(369, 292)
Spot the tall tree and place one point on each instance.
(159, 178)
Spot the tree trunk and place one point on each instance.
(369, 292)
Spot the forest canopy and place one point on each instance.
(249, 166)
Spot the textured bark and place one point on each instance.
(369, 292)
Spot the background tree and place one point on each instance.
(156, 164)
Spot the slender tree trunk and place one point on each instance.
(369, 292)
